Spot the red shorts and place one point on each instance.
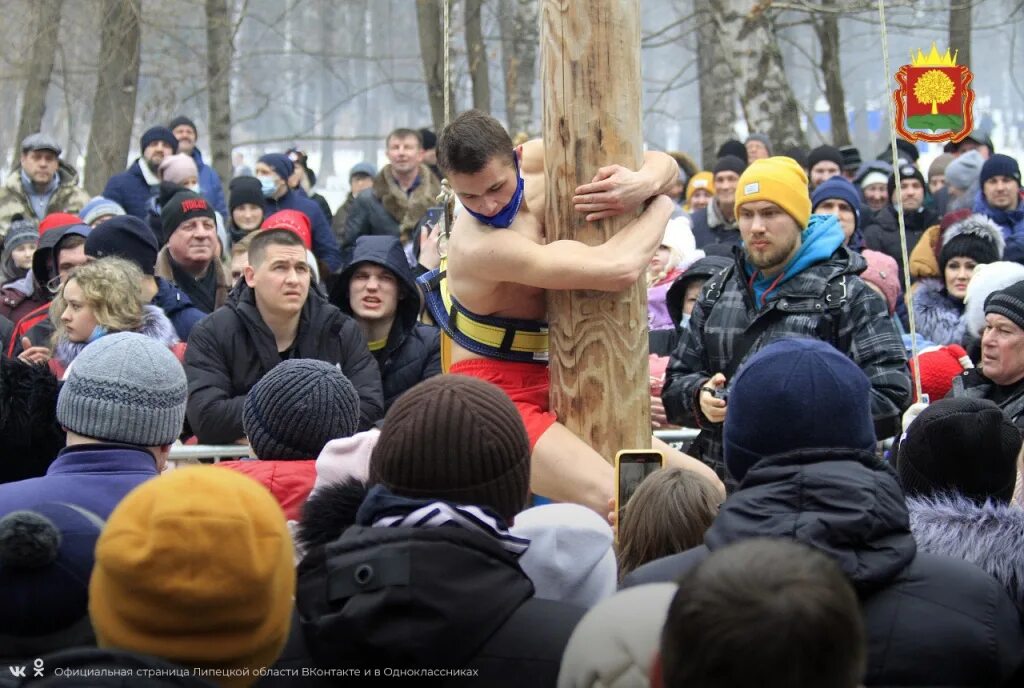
(526, 384)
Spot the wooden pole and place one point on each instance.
(590, 56)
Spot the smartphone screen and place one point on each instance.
(433, 216)
(633, 467)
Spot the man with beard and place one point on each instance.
(793, 277)
(883, 234)
(134, 188)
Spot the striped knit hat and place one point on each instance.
(457, 439)
(125, 387)
(297, 408)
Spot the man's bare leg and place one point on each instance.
(674, 457)
(565, 469)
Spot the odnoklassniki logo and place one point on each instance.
(934, 101)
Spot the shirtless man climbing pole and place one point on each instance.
(490, 296)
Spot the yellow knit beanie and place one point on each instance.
(196, 567)
(779, 180)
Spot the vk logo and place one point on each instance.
(18, 671)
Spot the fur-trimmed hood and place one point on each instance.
(939, 316)
(154, 325)
(988, 536)
(986, 279)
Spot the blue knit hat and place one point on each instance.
(1000, 165)
(297, 408)
(46, 557)
(796, 394)
(280, 163)
(838, 187)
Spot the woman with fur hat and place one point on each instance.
(939, 303)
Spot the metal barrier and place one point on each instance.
(192, 453)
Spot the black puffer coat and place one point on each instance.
(413, 351)
(930, 620)
(32, 437)
(231, 349)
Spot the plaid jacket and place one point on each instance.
(864, 332)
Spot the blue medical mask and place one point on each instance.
(268, 186)
(97, 332)
(504, 217)
(685, 321)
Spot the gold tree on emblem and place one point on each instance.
(934, 87)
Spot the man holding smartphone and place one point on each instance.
(490, 297)
(793, 277)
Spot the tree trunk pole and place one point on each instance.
(591, 86)
(44, 50)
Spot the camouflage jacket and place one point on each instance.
(68, 198)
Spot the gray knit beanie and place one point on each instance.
(965, 170)
(297, 408)
(125, 387)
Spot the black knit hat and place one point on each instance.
(822, 154)
(975, 237)
(125, 236)
(967, 446)
(182, 119)
(245, 190)
(154, 134)
(1008, 302)
(733, 147)
(457, 439)
(297, 408)
(182, 207)
(729, 163)
(907, 171)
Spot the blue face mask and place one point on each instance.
(268, 186)
(504, 217)
(685, 322)
(97, 332)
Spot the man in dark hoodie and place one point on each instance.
(800, 426)
(378, 290)
(128, 237)
(272, 315)
(445, 593)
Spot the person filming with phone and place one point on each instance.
(792, 277)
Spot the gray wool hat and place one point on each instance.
(965, 170)
(297, 408)
(125, 387)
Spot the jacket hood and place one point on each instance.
(845, 503)
(703, 269)
(988, 536)
(42, 259)
(387, 252)
(571, 557)
(404, 597)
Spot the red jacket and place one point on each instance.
(289, 481)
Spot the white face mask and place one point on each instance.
(194, 188)
(685, 321)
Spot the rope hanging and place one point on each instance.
(908, 295)
(447, 197)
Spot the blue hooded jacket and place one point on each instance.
(178, 308)
(210, 185)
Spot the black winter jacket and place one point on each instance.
(930, 620)
(972, 384)
(431, 598)
(865, 333)
(32, 437)
(883, 232)
(413, 351)
(232, 348)
(709, 228)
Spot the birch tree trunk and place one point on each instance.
(755, 60)
(219, 50)
(519, 37)
(431, 30)
(717, 89)
(46, 24)
(476, 54)
(827, 28)
(113, 112)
